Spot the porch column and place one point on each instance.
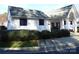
(62, 24)
(67, 24)
(75, 26)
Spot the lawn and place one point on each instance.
(18, 44)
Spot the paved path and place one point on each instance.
(59, 44)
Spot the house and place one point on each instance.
(65, 18)
(20, 19)
(3, 20)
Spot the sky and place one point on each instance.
(43, 5)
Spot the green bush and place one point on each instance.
(33, 35)
(55, 34)
(65, 33)
(60, 33)
(24, 35)
(45, 34)
(18, 35)
(3, 35)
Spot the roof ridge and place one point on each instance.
(68, 6)
(15, 7)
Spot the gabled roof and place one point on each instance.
(63, 12)
(20, 12)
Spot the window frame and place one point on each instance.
(23, 21)
(41, 21)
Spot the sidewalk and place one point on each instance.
(74, 34)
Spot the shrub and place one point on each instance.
(12, 35)
(18, 35)
(60, 33)
(65, 33)
(3, 28)
(34, 35)
(3, 35)
(45, 34)
(55, 34)
(23, 34)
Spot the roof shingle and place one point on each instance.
(20, 12)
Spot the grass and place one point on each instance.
(18, 44)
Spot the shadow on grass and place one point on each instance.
(18, 44)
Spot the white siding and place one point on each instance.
(31, 25)
(46, 26)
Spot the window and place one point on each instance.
(23, 22)
(71, 22)
(41, 21)
(64, 22)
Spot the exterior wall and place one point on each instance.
(46, 26)
(62, 24)
(74, 20)
(68, 25)
(32, 24)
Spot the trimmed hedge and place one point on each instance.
(3, 35)
(23, 35)
(64, 33)
(60, 33)
(33, 35)
(45, 34)
(18, 35)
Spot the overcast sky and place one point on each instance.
(43, 5)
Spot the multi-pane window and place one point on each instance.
(41, 21)
(23, 22)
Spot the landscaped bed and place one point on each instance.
(26, 38)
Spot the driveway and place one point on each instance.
(59, 44)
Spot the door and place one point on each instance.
(55, 25)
